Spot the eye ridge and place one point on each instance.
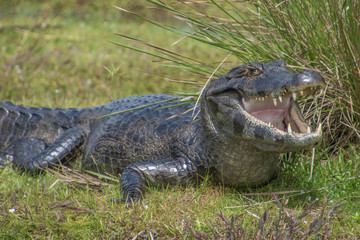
(249, 72)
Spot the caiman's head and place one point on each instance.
(257, 103)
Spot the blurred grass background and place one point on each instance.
(52, 52)
(57, 53)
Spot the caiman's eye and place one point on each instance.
(254, 71)
(250, 71)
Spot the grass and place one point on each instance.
(76, 48)
(49, 206)
(58, 54)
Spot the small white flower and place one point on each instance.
(305, 221)
(18, 69)
(309, 198)
(12, 209)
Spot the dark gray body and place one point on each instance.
(110, 143)
(161, 145)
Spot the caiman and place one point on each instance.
(245, 120)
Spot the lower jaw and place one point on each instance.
(248, 170)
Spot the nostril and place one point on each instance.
(305, 79)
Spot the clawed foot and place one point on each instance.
(132, 186)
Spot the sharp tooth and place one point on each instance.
(301, 92)
(294, 95)
(289, 128)
(275, 102)
(308, 130)
(269, 124)
(280, 99)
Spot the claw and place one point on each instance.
(319, 129)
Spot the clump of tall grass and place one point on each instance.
(323, 35)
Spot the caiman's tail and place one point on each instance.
(33, 137)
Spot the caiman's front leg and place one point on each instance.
(159, 172)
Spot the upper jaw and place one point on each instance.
(278, 109)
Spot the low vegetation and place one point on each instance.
(59, 54)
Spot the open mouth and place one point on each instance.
(281, 112)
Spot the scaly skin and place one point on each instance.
(248, 117)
